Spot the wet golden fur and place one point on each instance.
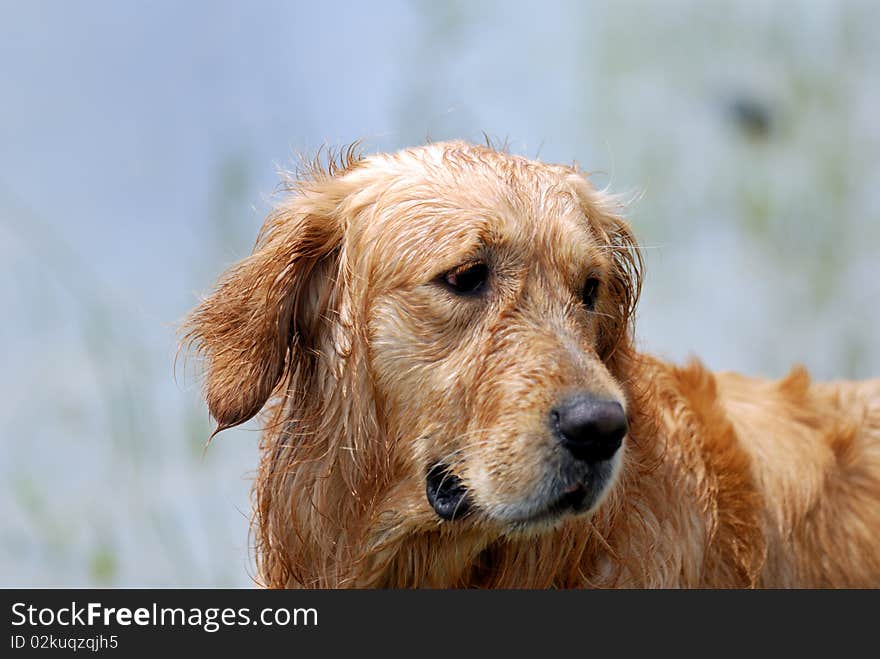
(366, 371)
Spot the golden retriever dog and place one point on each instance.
(440, 342)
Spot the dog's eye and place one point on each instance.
(467, 279)
(591, 290)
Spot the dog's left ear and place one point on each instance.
(258, 322)
(625, 282)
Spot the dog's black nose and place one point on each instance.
(590, 428)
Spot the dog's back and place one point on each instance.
(814, 450)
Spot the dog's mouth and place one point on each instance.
(450, 499)
(577, 492)
(575, 499)
(446, 493)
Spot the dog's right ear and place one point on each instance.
(264, 305)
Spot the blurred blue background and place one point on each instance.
(139, 145)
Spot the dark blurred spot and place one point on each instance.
(752, 116)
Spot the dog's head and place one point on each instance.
(457, 314)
